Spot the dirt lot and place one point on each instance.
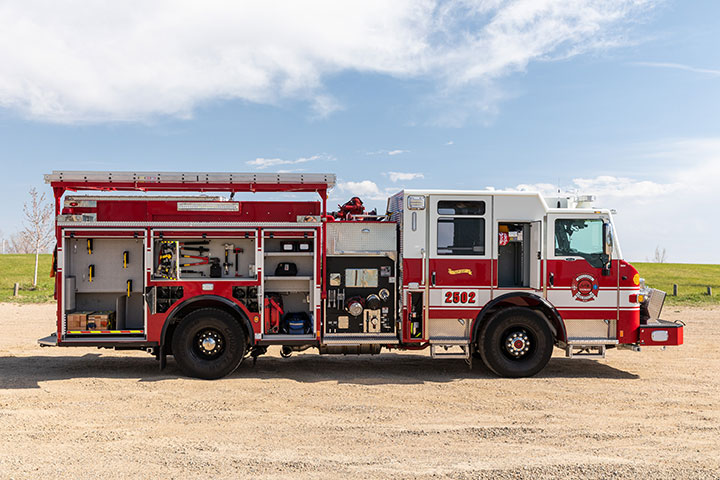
(88, 413)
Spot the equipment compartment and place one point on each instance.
(289, 280)
(105, 275)
(189, 258)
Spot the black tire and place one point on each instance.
(202, 329)
(516, 342)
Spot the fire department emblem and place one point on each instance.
(584, 288)
(503, 238)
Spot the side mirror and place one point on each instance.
(607, 248)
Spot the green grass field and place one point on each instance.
(692, 280)
(19, 268)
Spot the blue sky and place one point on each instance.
(618, 99)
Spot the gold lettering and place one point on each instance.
(462, 270)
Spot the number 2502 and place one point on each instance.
(459, 297)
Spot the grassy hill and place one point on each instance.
(19, 268)
(692, 280)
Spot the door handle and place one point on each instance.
(551, 279)
(433, 279)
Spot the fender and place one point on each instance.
(241, 311)
(528, 299)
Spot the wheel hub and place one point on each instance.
(517, 344)
(209, 343)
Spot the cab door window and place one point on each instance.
(460, 228)
(580, 238)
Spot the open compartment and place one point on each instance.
(289, 266)
(103, 285)
(514, 255)
(198, 257)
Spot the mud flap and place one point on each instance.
(162, 357)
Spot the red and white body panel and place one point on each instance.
(456, 288)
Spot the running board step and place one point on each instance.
(49, 341)
(450, 351)
(333, 339)
(584, 351)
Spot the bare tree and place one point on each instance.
(37, 232)
(19, 243)
(660, 255)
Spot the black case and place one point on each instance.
(215, 270)
(286, 269)
(288, 246)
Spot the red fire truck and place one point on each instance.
(498, 276)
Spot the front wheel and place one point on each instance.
(516, 342)
(209, 344)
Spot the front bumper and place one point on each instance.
(661, 332)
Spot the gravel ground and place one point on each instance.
(88, 413)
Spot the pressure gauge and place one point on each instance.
(384, 294)
(372, 302)
(354, 307)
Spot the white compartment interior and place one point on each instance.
(215, 249)
(108, 289)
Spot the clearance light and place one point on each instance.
(636, 279)
(416, 202)
(636, 298)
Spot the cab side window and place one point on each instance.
(578, 237)
(461, 228)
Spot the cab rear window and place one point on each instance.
(453, 207)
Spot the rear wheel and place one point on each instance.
(516, 342)
(208, 343)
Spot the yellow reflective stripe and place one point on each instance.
(106, 331)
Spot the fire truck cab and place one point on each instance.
(499, 276)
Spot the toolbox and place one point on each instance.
(101, 320)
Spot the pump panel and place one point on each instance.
(361, 295)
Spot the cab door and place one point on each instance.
(581, 278)
(460, 260)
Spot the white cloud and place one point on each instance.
(363, 188)
(674, 210)
(449, 143)
(387, 152)
(608, 186)
(80, 61)
(402, 176)
(678, 66)
(324, 105)
(262, 163)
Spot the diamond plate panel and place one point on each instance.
(361, 237)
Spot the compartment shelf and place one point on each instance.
(289, 254)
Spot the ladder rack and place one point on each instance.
(178, 181)
(63, 181)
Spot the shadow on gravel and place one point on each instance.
(389, 368)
